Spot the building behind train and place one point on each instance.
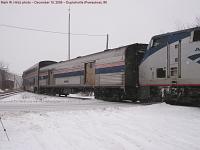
(9, 81)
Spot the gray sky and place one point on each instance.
(126, 21)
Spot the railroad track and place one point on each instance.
(8, 94)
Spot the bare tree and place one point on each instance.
(1, 65)
(198, 21)
(181, 26)
(3, 74)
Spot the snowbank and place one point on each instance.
(1, 91)
(152, 127)
(82, 95)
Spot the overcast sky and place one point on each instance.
(126, 22)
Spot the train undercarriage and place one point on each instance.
(175, 95)
(103, 93)
(187, 96)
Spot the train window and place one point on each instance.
(155, 42)
(150, 44)
(196, 36)
(176, 46)
(174, 71)
(158, 41)
(161, 73)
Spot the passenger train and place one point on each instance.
(167, 69)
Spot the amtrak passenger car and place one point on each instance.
(30, 76)
(111, 74)
(172, 61)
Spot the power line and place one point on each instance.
(89, 34)
(30, 29)
(48, 31)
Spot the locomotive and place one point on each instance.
(168, 68)
(171, 65)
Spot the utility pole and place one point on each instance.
(69, 19)
(107, 40)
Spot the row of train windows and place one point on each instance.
(161, 73)
(30, 71)
(162, 40)
(30, 81)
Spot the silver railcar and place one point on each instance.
(111, 74)
(31, 75)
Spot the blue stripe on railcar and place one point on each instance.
(43, 77)
(114, 69)
(194, 57)
(69, 74)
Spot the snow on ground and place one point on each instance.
(150, 127)
(26, 97)
(1, 91)
(32, 102)
(82, 95)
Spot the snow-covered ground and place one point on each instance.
(1, 91)
(138, 127)
(30, 98)
(30, 102)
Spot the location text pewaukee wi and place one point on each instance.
(51, 2)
